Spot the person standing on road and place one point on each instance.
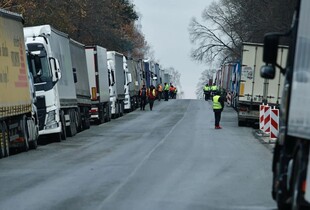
(151, 96)
(166, 91)
(218, 106)
(206, 90)
(142, 97)
(159, 91)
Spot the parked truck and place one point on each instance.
(290, 167)
(18, 114)
(134, 86)
(117, 92)
(80, 71)
(254, 90)
(128, 79)
(54, 81)
(100, 81)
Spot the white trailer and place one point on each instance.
(254, 90)
(99, 83)
(79, 66)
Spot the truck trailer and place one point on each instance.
(79, 66)
(254, 90)
(134, 86)
(54, 81)
(100, 81)
(18, 114)
(290, 166)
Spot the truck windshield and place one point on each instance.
(38, 63)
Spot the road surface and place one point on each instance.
(170, 158)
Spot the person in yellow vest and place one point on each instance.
(166, 91)
(175, 92)
(218, 106)
(159, 92)
(206, 90)
(213, 90)
(151, 96)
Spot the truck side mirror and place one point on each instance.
(74, 75)
(270, 53)
(268, 71)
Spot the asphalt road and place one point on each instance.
(170, 158)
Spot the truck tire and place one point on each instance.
(72, 128)
(6, 140)
(2, 141)
(25, 134)
(63, 134)
(33, 144)
(297, 182)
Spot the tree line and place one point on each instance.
(108, 23)
(226, 24)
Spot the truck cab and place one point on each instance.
(290, 166)
(128, 80)
(46, 73)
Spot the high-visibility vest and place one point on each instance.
(216, 103)
(167, 87)
(160, 88)
(206, 88)
(214, 87)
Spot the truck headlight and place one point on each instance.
(51, 120)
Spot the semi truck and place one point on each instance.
(117, 92)
(54, 81)
(254, 90)
(80, 71)
(128, 79)
(18, 114)
(100, 81)
(134, 86)
(290, 166)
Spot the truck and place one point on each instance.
(134, 86)
(18, 114)
(290, 165)
(117, 92)
(128, 79)
(99, 82)
(254, 90)
(80, 71)
(54, 81)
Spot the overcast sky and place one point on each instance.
(165, 26)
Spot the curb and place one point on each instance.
(264, 139)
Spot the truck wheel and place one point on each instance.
(72, 127)
(33, 144)
(63, 134)
(6, 140)
(2, 141)
(296, 194)
(24, 127)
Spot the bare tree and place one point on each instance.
(218, 36)
(229, 23)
